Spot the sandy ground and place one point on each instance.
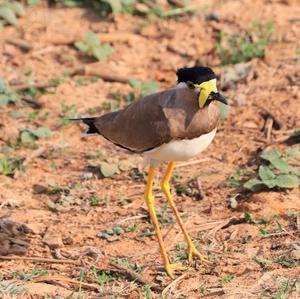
(65, 202)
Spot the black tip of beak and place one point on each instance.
(216, 96)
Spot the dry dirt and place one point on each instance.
(54, 195)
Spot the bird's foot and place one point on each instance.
(172, 268)
(192, 251)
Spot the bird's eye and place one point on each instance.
(190, 85)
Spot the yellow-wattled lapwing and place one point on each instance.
(172, 125)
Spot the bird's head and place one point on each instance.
(203, 81)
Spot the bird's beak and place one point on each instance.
(216, 96)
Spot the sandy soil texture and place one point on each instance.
(78, 234)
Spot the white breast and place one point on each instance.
(181, 150)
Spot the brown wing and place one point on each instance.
(157, 119)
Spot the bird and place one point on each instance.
(168, 126)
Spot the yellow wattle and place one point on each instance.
(205, 89)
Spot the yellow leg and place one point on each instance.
(166, 189)
(149, 198)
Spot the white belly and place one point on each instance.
(181, 150)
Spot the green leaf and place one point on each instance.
(297, 172)
(18, 8)
(264, 233)
(267, 176)
(254, 185)
(92, 39)
(130, 97)
(33, 2)
(292, 151)
(224, 111)
(125, 165)
(102, 52)
(4, 99)
(149, 88)
(116, 5)
(289, 181)
(270, 155)
(42, 132)
(108, 169)
(135, 84)
(8, 15)
(73, 3)
(282, 165)
(5, 167)
(27, 137)
(81, 46)
(277, 161)
(265, 173)
(3, 86)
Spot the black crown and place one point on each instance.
(197, 75)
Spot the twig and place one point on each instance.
(290, 58)
(21, 43)
(180, 11)
(193, 162)
(104, 37)
(25, 86)
(33, 103)
(132, 275)
(28, 159)
(132, 218)
(200, 189)
(58, 278)
(268, 128)
(96, 69)
(39, 260)
(43, 51)
(173, 283)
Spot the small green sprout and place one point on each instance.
(91, 46)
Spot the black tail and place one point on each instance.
(90, 122)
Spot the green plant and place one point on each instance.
(29, 136)
(226, 278)
(277, 173)
(10, 10)
(147, 291)
(33, 115)
(262, 263)
(57, 81)
(7, 96)
(284, 289)
(94, 201)
(81, 278)
(105, 7)
(124, 262)
(136, 7)
(101, 276)
(201, 289)
(163, 214)
(9, 288)
(287, 260)
(5, 166)
(133, 227)
(34, 274)
(264, 233)
(115, 230)
(33, 2)
(92, 46)
(9, 165)
(243, 47)
(142, 89)
(68, 111)
(29, 276)
(108, 169)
